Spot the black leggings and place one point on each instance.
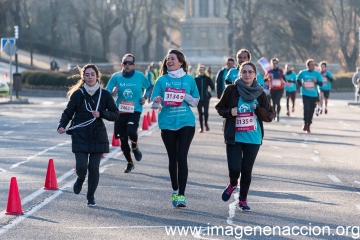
(177, 144)
(126, 127)
(309, 108)
(241, 158)
(290, 95)
(91, 162)
(276, 98)
(203, 103)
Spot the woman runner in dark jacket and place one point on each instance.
(244, 106)
(87, 106)
(203, 83)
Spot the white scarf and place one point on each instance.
(177, 73)
(91, 90)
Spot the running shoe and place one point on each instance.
(326, 111)
(130, 166)
(317, 111)
(308, 128)
(201, 130)
(227, 192)
(77, 186)
(292, 109)
(137, 153)
(181, 201)
(91, 203)
(174, 199)
(287, 113)
(207, 127)
(243, 206)
(321, 111)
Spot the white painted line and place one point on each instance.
(292, 202)
(316, 151)
(334, 178)
(47, 103)
(294, 134)
(288, 126)
(357, 182)
(358, 206)
(345, 124)
(6, 133)
(277, 156)
(274, 147)
(315, 159)
(2, 170)
(38, 154)
(304, 145)
(57, 193)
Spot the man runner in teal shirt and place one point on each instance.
(129, 85)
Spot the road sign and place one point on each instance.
(6, 40)
(9, 49)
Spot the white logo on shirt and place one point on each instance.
(245, 108)
(128, 93)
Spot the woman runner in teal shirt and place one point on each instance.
(176, 91)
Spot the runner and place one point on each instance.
(176, 91)
(276, 80)
(221, 75)
(324, 90)
(244, 106)
(87, 106)
(290, 88)
(203, 82)
(309, 79)
(242, 55)
(129, 84)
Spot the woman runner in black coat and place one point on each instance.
(87, 106)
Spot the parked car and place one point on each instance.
(4, 89)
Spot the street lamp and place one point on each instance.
(16, 35)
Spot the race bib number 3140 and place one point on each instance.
(174, 97)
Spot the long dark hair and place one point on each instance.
(180, 56)
(81, 81)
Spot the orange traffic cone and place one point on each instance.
(153, 116)
(14, 203)
(115, 141)
(145, 123)
(50, 181)
(148, 118)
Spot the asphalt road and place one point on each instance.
(302, 183)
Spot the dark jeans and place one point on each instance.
(309, 108)
(203, 104)
(290, 95)
(241, 158)
(91, 162)
(177, 144)
(276, 98)
(126, 127)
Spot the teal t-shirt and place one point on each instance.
(290, 85)
(326, 83)
(251, 132)
(233, 74)
(130, 90)
(224, 77)
(309, 89)
(174, 118)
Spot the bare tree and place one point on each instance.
(149, 16)
(55, 10)
(345, 15)
(4, 8)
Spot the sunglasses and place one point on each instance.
(128, 63)
(245, 72)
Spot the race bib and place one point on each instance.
(308, 84)
(276, 82)
(245, 122)
(289, 84)
(126, 107)
(324, 79)
(174, 97)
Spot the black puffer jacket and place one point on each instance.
(92, 138)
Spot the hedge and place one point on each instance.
(61, 80)
(52, 80)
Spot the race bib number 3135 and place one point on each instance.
(245, 122)
(174, 97)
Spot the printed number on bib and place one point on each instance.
(174, 97)
(324, 79)
(309, 84)
(276, 82)
(126, 107)
(245, 122)
(289, 84)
